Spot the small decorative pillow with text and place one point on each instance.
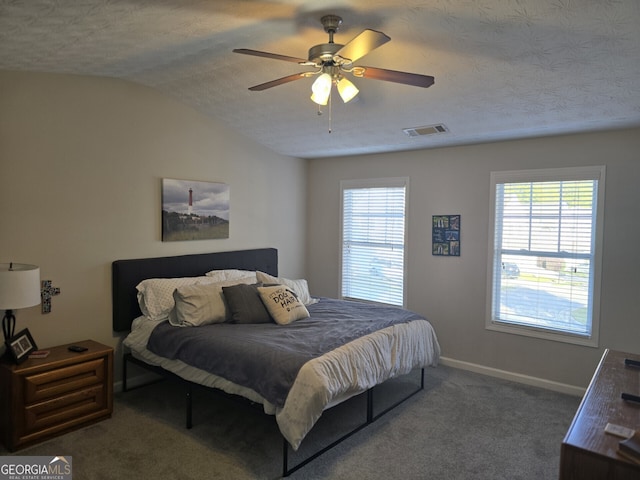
(283, 304)
(300, 287)
(202, 304)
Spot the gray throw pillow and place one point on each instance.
(245, 304)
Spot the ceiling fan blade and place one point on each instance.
(362, 44)
(280, 81)
(274, 56)
(414, 79)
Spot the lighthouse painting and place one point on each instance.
(194, 210)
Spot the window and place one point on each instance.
(373, 240)
(545, 250)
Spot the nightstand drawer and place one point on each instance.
(58, 382)
(59, 410)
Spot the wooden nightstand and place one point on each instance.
(42, 398)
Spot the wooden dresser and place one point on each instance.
(587, 451)
(42, 398)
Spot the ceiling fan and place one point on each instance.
(333, 61)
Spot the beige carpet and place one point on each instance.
(462, 426)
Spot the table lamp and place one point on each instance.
(19, 288)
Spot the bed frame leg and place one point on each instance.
(370, 419)
(285, 457)
(189, 406)
(124, 373)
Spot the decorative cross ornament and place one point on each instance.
(47, 292)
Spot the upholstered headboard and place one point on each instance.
(126, 274)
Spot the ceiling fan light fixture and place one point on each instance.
(333, 60)
(347, 90)
(321, 89)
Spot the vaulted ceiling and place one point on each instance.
(503, 68)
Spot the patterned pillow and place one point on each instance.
(283, 304)
(155, 295)
(231, 274)
(300, 287)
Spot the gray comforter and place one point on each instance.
(267, 357)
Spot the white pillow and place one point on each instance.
(231, 274)
(299, 287)
(202, 304)
(155, 295)
(283, 304)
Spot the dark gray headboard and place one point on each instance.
(126, 274)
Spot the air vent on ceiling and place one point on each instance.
(426, 130)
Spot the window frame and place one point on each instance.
(549, 175)
(388, 182)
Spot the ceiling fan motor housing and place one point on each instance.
(324, 53)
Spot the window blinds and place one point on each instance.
(373, 235)
(544, 254)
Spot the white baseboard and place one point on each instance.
(514, 377)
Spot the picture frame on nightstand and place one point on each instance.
(20, 346)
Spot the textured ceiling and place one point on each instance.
(503, 68)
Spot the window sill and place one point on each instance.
(586, 341)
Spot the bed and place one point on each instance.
(336, 349)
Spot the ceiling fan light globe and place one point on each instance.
(347, 90)
(322, 84)
(320, 100)
(321, 89)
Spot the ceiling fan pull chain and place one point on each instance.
(330, 110)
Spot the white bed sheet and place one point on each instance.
(322, 382)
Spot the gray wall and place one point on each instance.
(450, 291)
(81, 163)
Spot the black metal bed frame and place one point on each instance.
(126, 274)
(286, 470)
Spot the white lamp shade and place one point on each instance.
(321, 89)
(347, 90)
(19, 286)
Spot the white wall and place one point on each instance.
(81, 163)
(451, 291)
